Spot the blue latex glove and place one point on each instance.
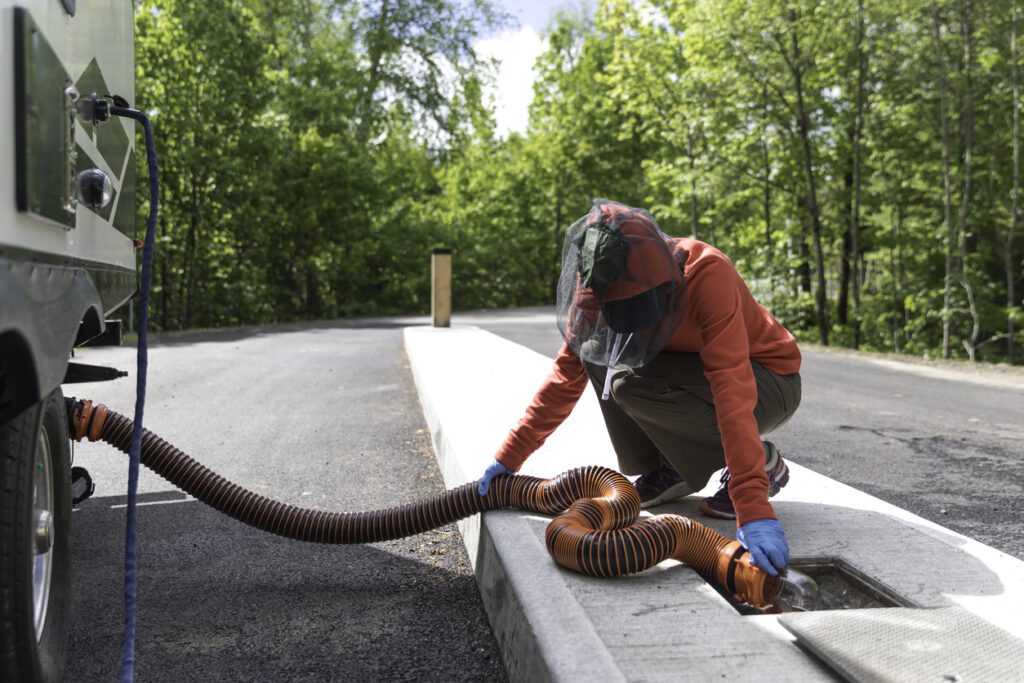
(494, 469)
(766, 541)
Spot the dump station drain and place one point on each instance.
(848, 633)
(843, 586)
(840, 586)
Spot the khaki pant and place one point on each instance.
(665, 411)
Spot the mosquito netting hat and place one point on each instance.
(621, 294)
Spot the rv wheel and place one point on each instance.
(35, 517)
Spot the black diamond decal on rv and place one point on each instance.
(110, 137)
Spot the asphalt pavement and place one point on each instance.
(324, 416)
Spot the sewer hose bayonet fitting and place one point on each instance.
(595, 530)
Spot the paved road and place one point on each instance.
(319, 416)
(944, 444)
(326, 416)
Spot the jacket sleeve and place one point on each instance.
(726, 358)
(550, 406)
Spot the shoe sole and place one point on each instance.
(680, 490)
(711, 512)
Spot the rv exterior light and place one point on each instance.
(94, 188)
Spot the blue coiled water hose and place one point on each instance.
(131, 573)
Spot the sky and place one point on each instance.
(516, 48)
(533, 13)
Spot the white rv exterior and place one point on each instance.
(100, 30)
(67, 261)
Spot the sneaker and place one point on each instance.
(660, 486)
(720, 504)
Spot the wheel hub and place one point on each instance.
(42, 518)
(44, 531)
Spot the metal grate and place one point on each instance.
(906, 645)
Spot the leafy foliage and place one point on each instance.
(858, 161)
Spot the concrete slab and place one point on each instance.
(943, 644)
(666, 623)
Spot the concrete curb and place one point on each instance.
(535, 620)
(666, 623)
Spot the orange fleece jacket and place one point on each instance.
(728, 328)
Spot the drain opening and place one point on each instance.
(843, 586)
(840, 586)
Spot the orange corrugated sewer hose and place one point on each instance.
(595, 530)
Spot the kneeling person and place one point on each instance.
(690, 369)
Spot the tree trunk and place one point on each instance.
(843, 303)
(804, 125)
(803, 270)
(963, 228)
(947, 186)
(165, 287)
(376, 55)
(767, 202)
(901, 270)
(559, 236)
(712, 239)
(897, 314)
(855, 143)
(691, 155)
(1011, 297)
(190, 256)
(766, 198)
(899, 311)
(694, 212)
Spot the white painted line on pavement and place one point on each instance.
(189, 499)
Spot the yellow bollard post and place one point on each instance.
(441, 288)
